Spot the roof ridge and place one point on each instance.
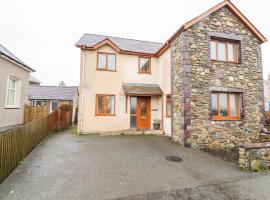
(123, 38)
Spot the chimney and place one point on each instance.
(62, 84)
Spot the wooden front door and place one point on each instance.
(143, 112)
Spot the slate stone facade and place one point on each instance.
(195, 76)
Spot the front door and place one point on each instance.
(143, 112)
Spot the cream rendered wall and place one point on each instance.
(164, 64)
(102, 82)
(9, 117)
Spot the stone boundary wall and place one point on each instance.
(254, 157)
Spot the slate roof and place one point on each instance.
(141, 89)
(52, 92)
(89, 40)
(7, 53)
(33, 79)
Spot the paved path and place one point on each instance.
(67, 166)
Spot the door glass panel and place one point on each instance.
(214, 105)
(133, 121)
(223, 104)
(133, 105)
(234, 107)
(221, 51)
(143, 108)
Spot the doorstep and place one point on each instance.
(132, 132)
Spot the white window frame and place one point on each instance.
(52, 103)
(17, 93)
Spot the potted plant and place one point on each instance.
(156, 124)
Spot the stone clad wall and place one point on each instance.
(254, 157)
(177, 88)
(245, 76)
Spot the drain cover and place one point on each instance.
(173, 158)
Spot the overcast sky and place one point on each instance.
(43, 33)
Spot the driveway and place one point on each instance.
(67, 166)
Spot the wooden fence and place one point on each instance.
(16, 144)
(32, 113)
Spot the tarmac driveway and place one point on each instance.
(67, 166)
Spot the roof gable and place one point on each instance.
(233, 9)
(8, 55)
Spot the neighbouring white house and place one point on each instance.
(14, 82)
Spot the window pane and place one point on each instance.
(101, 61)
(221, 51)
(12, 83)
(101, 104)
(234, 106)
(133, 105)
(111, 62)
(110, 105)
(11, 97)
(143, 108)
(213, 50)
(144, 65)
(54, 105)
(223, 104)
(214, 105)
(230, 52)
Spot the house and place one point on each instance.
(54, 96)
(33, 80)
(267, 94)
(204, 83)
(14, 76)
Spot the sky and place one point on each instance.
(43, 33)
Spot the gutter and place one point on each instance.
(81, 87)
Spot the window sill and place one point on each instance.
(144, 73)
(12, 107)
(168, 116)
(222, 120)
(227, 62)
(105, 70)
(104, 115)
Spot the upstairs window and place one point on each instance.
(13, 92)
(106, 62)
(225, 106)
(105, 105)
(226, 51)
(144, 65)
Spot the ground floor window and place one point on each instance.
(225, 106)
(54, 105)
(168, 106)
(105, 105)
